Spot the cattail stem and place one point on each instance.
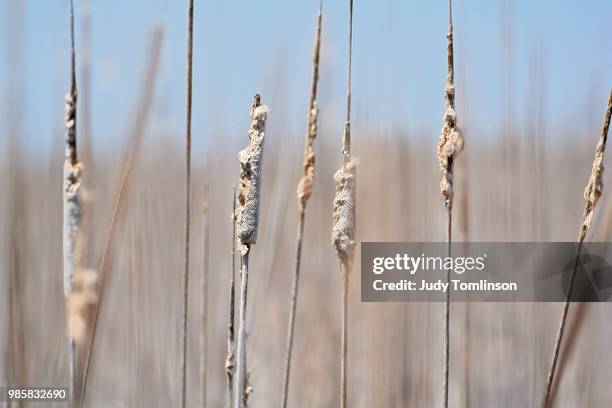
(344, 270)
(72, 202)
(240, 394)
(230, 364)
(343, 231)
(304, 191)
(204, 298)
(449, 217)
(592, 194)
(292, 309)
(185, 272)
(450, 144)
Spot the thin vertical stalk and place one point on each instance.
(240, 394)
(450, 144)
(204, 296)
(72, 203)
(185, 274)
(303, 194)
(230, 363)
(85, 133)
(141, 119)
(344, 270)
(343, 231)
(449, 216)
(592, 193)
(15, 370)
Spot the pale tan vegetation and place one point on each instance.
(127, 212)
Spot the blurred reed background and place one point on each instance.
(520, 178)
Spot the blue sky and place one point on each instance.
(563, 48)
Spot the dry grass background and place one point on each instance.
(394, 352)
(510, 186)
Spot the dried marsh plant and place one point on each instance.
(303, 194)
(343, 230)
(450, 144)
(592, 193)
(247, 222)
(72, 201)
(187, 226)
(204, 296)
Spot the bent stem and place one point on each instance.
(592, 193)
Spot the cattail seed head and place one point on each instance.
(450, 142)
(251, 161)
(308, 167)
(72, 221)
(307, 181)
(594, 188)
(343, 231)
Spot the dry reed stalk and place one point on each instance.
(464, 232)
(592, 193)
(85, 132)
(15, 371)
(72, 200)
(230, 363)
(450, 144)
(185, 271)
(204, 295)
(343, 230)
(247, 220)
(140, 122)
(303, 194)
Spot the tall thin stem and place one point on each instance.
(449, 217)
(344, 270)
(592, 193)
(343, 231)
(204, 297)
(185, 274)
(230, 364)
(142, 115)
(304, 191)
(240, 394)
(72, 204)
(450, 144)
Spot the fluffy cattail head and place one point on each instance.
(308, 167)
(251, 162)
(450, 142)
(307, 181)
(72, 221)
(343, 231)
(594, 188)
